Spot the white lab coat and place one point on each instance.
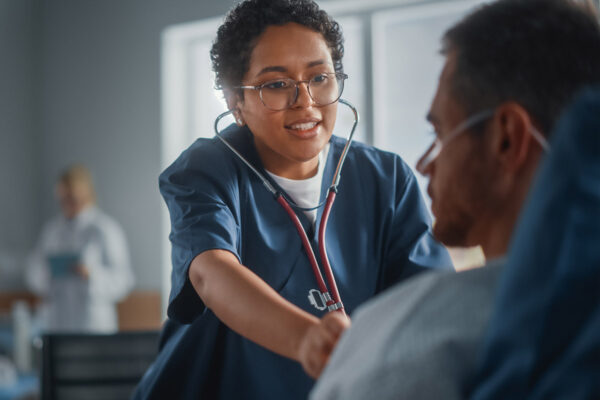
(72, 303)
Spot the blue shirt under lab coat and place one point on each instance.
(378, 234)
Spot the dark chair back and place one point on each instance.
(95, 366)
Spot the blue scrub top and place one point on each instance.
(378, 233)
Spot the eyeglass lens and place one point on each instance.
(323, 89)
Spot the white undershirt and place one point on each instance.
(305, 192)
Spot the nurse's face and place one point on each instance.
(288, 141)
(460, 183)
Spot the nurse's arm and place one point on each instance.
(250, 307)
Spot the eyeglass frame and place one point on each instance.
(339, 76)
(434, 150)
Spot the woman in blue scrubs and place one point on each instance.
(241, 324)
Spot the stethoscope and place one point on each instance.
(321, 299)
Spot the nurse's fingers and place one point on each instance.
(320, 341)
(315, 348)
(317, 361)
(336, 323)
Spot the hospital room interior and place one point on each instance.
(98, 99)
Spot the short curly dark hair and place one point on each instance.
(236, 38)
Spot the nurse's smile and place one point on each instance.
(306, 128)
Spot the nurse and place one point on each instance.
(241, 324)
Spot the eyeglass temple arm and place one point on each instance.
(540, 139)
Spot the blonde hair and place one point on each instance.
(78, 176)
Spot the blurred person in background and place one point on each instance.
(80, 266)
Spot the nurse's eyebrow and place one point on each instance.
(278, 68)
(315, 63)
(275, 68)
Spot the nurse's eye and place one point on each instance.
(320, 79)
(280, 84)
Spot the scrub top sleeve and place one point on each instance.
(411, 246)
(200, 203)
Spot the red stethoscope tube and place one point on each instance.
(337, 301)
(333, 302)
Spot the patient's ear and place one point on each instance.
(513, 140)
(234, 102)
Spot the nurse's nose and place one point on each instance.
(303, 99)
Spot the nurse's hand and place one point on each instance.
(319, 341)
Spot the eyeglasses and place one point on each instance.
(281, 94)
(436, 147)
(438, 144)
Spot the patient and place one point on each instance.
(511, 67)
(544, 337)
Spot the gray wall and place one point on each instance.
(98, 93)
(19, 156)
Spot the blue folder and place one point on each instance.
(63, 264)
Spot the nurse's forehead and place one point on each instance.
(282, 68)
(288, 45)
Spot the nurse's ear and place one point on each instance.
(233, 101)
(238, 118)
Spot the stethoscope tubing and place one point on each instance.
(333, 300)
(336, 302)
(305, 242)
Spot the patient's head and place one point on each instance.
(75, 190)
(538, 53)
(511, 67)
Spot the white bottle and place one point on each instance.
(21, 320)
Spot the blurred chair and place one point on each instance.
(95, 366)
(7, 298)
(140, 311)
